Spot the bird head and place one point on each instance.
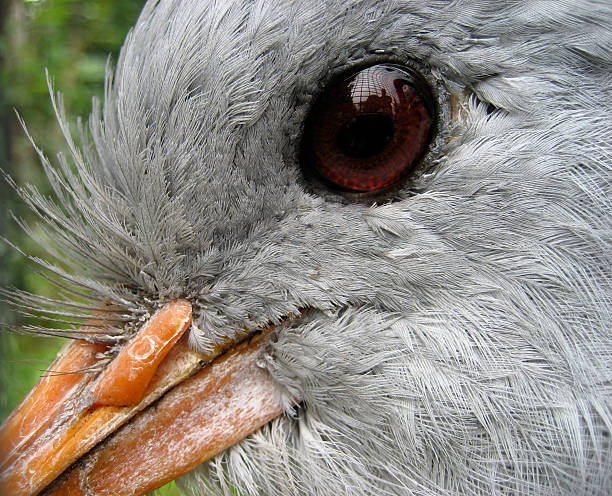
(324, 248)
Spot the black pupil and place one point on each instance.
(365, 135)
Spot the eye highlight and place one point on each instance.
(369, 129)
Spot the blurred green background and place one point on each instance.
(73, 40)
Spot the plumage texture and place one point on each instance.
(454, 340)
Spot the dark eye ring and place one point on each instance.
(369, 129)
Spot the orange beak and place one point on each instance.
(81, 434)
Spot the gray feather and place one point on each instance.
(455, 340)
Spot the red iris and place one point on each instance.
(367, 131)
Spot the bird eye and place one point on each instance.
(369, 129)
